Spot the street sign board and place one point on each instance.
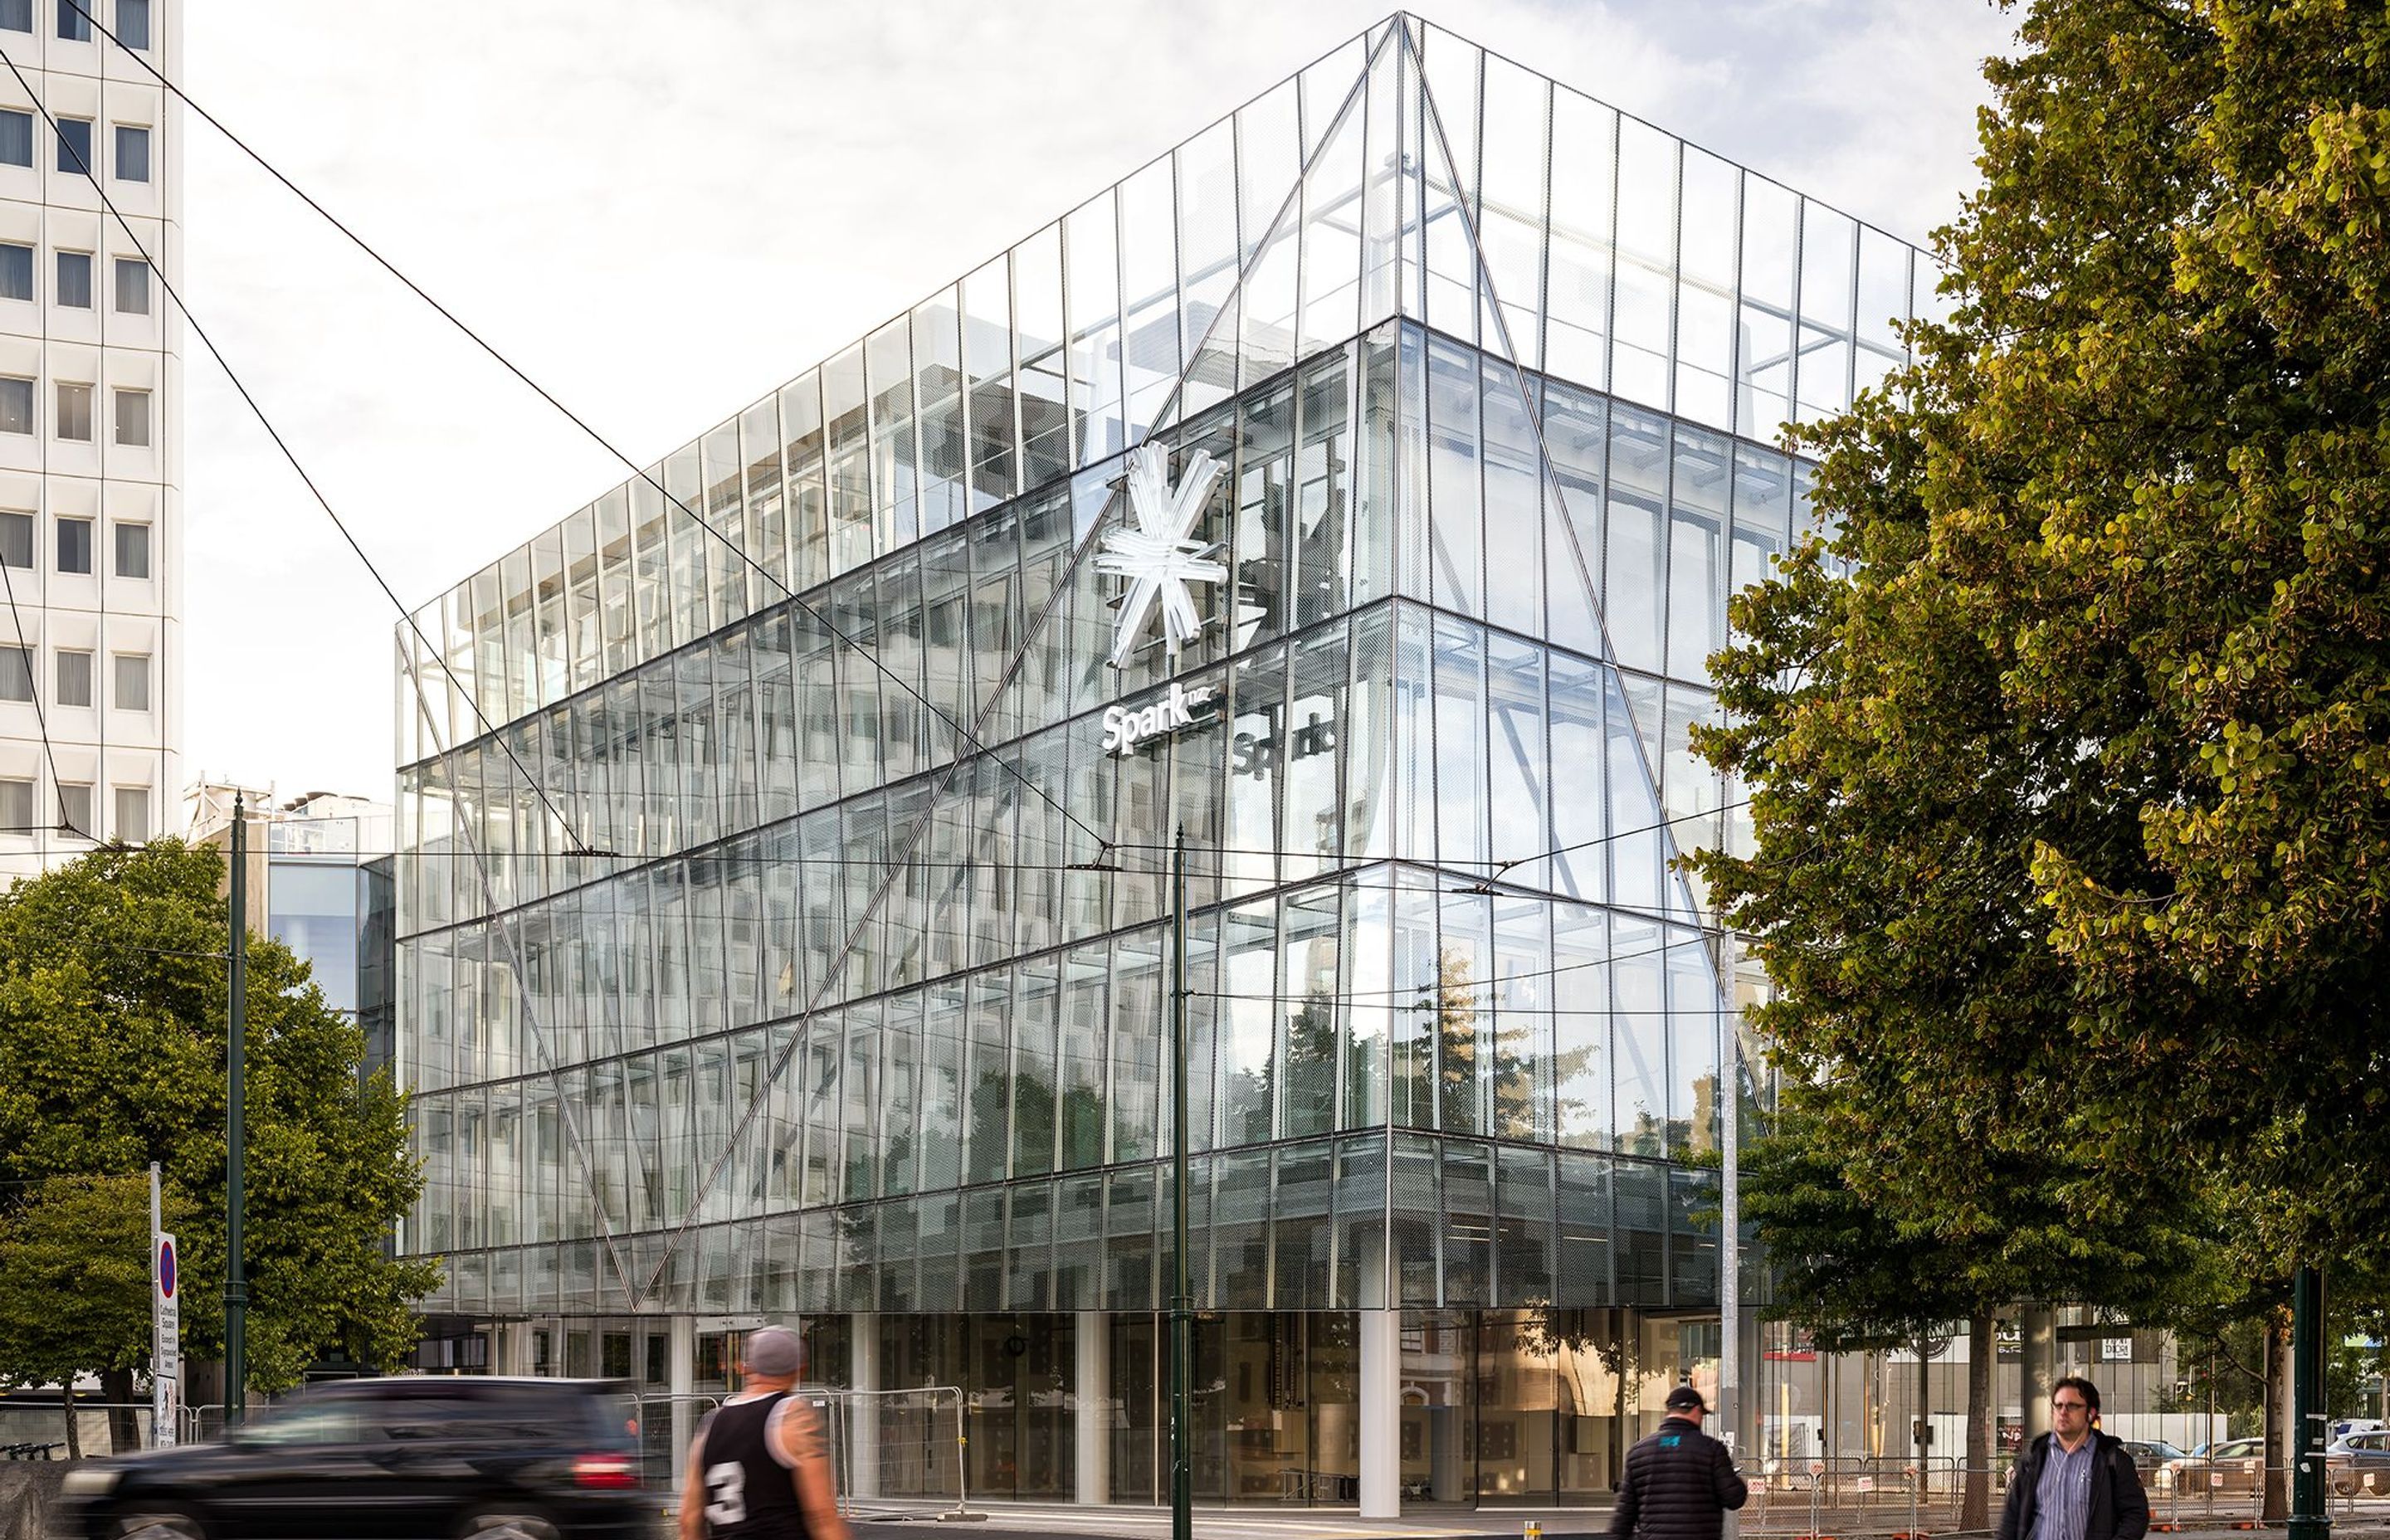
(166, 1361)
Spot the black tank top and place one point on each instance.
(748, 1494)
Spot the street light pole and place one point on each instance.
(236, 1292)
(2309, 1519)
(1182, 1323)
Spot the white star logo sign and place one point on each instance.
(1160, 556)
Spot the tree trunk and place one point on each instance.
(2278, 1417)
(74, 1436)
(1983, 1356)
(123, 1422)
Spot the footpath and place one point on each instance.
(1020, 1521)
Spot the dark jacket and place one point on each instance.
(1679, 1484)
(2119, 1509)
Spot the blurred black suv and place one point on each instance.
(424, 1458)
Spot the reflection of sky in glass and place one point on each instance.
(312, 910)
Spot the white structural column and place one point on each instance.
(1092, 1403)
(1381, 1398)
(2039, 1330)
(863, 1410)
(681, 1381)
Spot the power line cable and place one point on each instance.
(259, 412)
(962, 734)
(710, 850)
(33, 693)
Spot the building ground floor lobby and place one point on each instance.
(1382, 1409)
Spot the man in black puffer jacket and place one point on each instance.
(1680, 1481)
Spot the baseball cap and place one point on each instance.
(1684, 1398)
(773, 1351)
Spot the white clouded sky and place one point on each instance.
(661, 211)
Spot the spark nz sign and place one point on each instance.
(1157, 551)
(1125, 727)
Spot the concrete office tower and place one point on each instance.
(90, 428)
(741, 982)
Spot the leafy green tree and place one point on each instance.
(74, 1284)
(2069, 748)
(112, 1056)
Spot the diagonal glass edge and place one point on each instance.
(1437, 149)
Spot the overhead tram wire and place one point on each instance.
(962, 734)
(280, 443)
(1336, 866)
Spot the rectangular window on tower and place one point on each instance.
(75, 677)
(16, 539)
(131, 681)
(15, 271)
(16, 405)
(132, 22)
(132, 814)
(16, 16)
(133, 551)
(74, 279)
(131, 287)
(16, 138)
(74, 412)
(74, 806)
(16, 807)
(131, 153)
(74, 545)
(132, 418)
(74, 139)
(16, 673)
(74, 23)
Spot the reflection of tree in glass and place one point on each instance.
(1310, 1060)
(1457, 1005)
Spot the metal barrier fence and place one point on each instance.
(900, 1452)
(36, 1430)
(1850, 1497)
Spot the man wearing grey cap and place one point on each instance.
(758, 1468)
(1680, 1482)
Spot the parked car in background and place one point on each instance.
(2359, 1461)
(2152, 1454)
(414, 1456)
(2235, 1466)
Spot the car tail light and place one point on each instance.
(612, 1471)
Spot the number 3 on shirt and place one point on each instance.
(728, 1485)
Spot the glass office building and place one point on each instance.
(783, 896)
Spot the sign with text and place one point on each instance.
(166, 1359)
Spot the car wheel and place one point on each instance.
(157, 1524)
(498, 1525)
(2344, 1486)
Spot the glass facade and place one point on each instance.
(783, 934)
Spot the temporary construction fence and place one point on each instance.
(1852, 1499)
(36, 1430)
(900, 1452)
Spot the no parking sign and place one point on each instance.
(166, 1361)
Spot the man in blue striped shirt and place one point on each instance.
(2075, 1482)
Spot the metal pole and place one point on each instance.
(235, 1292)
(161, 1408)
(1729, 1407)
(1182, 1323)
(2310, 1520)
